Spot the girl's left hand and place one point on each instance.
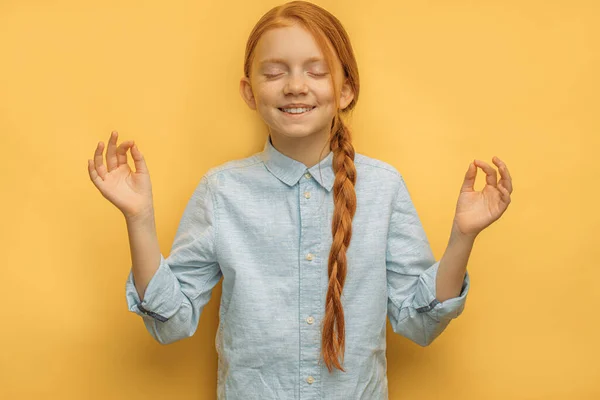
(477, 210)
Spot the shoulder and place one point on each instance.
(233, 165)
(376, 169)
(239, 166)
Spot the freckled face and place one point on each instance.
(288, 67)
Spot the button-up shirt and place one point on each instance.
(263, 224)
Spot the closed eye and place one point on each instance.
(274, 75)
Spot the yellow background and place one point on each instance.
(443, 82)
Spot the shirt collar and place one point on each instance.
(290, 171)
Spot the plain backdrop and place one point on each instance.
(442, 83)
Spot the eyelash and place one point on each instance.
(274, 75)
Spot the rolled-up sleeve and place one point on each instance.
(183, 283)
(413, 309)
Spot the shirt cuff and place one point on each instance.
(162, 297)
(425, 301)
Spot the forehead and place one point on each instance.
(287, 45)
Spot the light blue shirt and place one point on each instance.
(263, 223)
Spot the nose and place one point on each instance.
(295, 84)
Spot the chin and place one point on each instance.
(295, 133)
(291, 134)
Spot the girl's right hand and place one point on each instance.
(130, 191)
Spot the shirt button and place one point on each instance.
(307, 195)
(309, 256)
(307, 175)
(310, 379)
(310, 320)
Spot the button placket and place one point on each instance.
(310, 278)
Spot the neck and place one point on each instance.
(309, 150)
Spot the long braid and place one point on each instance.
(344, 197)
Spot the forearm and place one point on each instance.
(453, 266)
(145, 250)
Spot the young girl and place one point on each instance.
(316, 244)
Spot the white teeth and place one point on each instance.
(296, 110)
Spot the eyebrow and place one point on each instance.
(282, 61)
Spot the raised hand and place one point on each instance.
(477, 210)
(130, 191)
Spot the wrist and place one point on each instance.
(142, 217)
(457, 235)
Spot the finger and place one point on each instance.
(506, 180)
(122, 152)
(98, 162)
(504, 193)
(94, 177)
(138, 160)
(504, 173)
(469, 182)
(491, 176)
(111, 152)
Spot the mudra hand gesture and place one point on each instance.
(477, 210)
(130, 191)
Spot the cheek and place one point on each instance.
(325, 98)
(323, 91)
(267, 96)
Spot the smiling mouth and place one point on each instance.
(293, 114)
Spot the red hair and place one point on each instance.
(327, 31)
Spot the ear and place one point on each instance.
(246, 92)
(346, 95)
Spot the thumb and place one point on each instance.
(469, 181)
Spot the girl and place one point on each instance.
(303, 307)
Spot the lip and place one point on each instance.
(297, 105)
(297, 116)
